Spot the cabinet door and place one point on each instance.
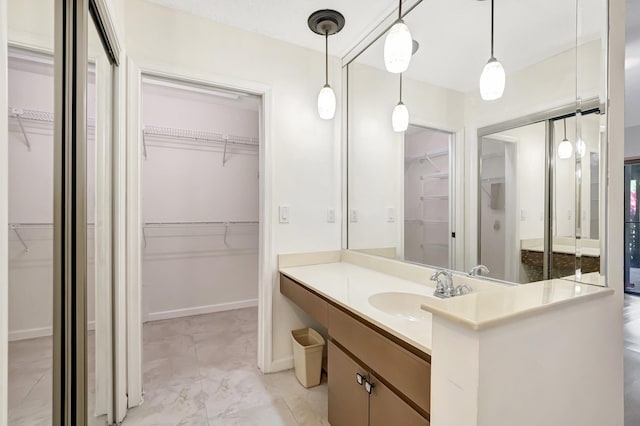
(386, 408)
(348, 401)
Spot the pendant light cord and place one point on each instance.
(326, 58)
(400, 87)
(399, 10)
(565, 129)
(492, 28)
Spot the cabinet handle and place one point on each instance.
(368, 386)
(359, 378)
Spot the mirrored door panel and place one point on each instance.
(631, 229)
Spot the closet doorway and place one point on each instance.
(200, 196)
(428, 197)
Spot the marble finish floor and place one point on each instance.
(631, 360)
(198, 370)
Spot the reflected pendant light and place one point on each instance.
(581, 148)
(326, 22)
(398, 46)
(565, 147)
(400, 116)
(493, 78)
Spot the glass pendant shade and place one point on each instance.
(398, 48)
(581, 148)
(565, 149)
(492, 80)
(326, 103)
(400, 118)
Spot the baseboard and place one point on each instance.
(33, 333)
(199, 310)
(281, 364)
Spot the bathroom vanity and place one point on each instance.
(399, 355)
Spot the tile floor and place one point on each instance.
(198, 370)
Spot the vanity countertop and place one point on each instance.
(350, 286)
(349, 279)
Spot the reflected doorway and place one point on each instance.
(428, 195)
(631, 227)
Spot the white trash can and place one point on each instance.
(308, 346)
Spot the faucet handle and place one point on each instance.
(463, 289)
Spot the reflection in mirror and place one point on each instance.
(499, 197)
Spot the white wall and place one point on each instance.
(305, 151)
(188, 269)
(632, 142)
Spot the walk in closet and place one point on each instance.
(427, 200)
(200, 198)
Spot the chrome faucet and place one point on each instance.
(443, 289)
(478, 270)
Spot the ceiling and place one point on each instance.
(454, 36)
(286, 20)
(632, 65)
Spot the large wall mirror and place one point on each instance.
(516, 183)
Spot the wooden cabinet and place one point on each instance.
(395, 377)
(348, 401)
(387, 408)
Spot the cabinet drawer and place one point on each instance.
(408, 373)
(387, 408)
(309, 302)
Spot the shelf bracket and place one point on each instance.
(426, 157)
(226, 229)
(224, 154)
(24, 132)
(17, 232)
(144, 145)
(144, 236)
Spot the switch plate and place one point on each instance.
(284, 214)
(331, 215)
(391, 214)
(353, 217)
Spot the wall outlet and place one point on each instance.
(331, 215)
(353, 216)
(391, 214)
(284, 214)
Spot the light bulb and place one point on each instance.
(492, 80)
(400, 118)
(581, 148)
(565, 149)
(398, 48)
(326, 103)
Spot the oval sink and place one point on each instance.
(403, 305)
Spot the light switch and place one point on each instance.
(331, 215)
(284, 214)
(391, 214)
(354, 216)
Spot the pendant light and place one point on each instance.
(398, 45)
(400, 115)
(326, 22)
(493, 78)
(565, 147)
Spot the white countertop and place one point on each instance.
(349, 279)
(351, 286)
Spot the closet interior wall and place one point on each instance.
(200, 195)
(30, 139)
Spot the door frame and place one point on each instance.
(134, 238)
(4, 220)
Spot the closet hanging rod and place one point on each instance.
(36, 225)
(37, 115)
(198, 135)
